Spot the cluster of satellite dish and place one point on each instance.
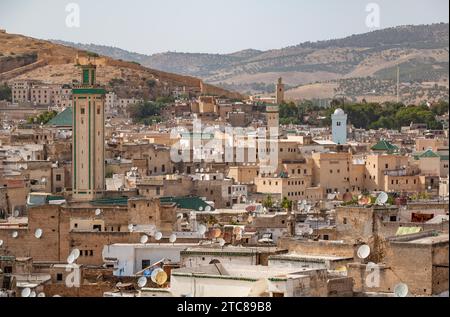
(381, 199)
(158, 236)
(27, 292)
(157, 276)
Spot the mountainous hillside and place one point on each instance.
(23, 57)
(420, 51)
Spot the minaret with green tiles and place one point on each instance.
(88, 138)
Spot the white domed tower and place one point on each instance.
(339, 126)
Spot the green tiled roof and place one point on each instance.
(62, 119)
(120, 201)
(192, 203)
(384, 145)
(428, 153)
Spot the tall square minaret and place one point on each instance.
(339, 126)
(88, 137)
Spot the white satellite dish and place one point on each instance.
(33, 294)
(98, 212)
(41, 294)
(202, 229)
(208, 208)
(71, 259)
(158, 236)
(179, 216)
(38, 233)
(15, 234)
(26, 292)
(382, 199)
(363, 251)
(310, 231)
(196, 170)
(142, 281)
(238, 237)
(200, 208)
(222, 242)
(401, 290)
(144, 239)
(75, 253)
(130, 227)
(173, 238)
(16, 213)
(1, 243)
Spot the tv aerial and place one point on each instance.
(363, 252)
(38, 233)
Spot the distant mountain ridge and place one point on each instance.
(372, 54)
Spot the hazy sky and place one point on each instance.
(212, 26)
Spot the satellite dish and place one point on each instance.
(382, 199)
(401, 290)
(130, 227)
(208, 208)
(26, 292)
(234, 219)
(201, 229)
(142, 281)
(200, 208)
(158, 236)
(1, 243)
(238, 237)
(75, 253)
(341, 268)
(179, 216)
(222, 242)
(16, 213)
(201, 170)
(38, 233)
(237, 230)
(144, 239)
(98, 212)
(41, 294)
(173, 238)
(196, 170)
(310, 231)
(364, 200)
(217, 233)
(363, 251)
(33, 294)
(159, 276)
(15, 234)
(70, 259)
(347, 197)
